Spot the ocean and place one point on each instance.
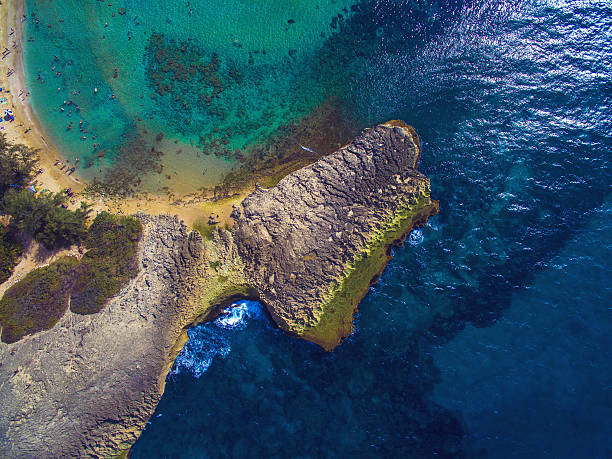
(488, 333)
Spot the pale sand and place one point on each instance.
(36, 256)
(196, 210)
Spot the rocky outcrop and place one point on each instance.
(88, 386)
(309, 248)
(314, 243)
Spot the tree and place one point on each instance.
(44, 218)
(17, 164)
(10, 251)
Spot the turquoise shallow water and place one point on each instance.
(488, 334)
(213, 77)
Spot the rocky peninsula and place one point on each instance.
(308, 249)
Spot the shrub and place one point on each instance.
(44, 218)
(10, 251)
(110, 262)
(36, 302)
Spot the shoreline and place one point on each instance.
(52, 178)
(195, 208)
(183, 278)
(25, 120)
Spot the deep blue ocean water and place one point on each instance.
(488, 334)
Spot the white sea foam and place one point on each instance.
(416, 237)
(238, 314)
(211, 340)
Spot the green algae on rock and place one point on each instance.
(314, 243)
(336, 322)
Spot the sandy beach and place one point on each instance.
(27, 129)
(194, 207)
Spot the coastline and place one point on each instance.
(51, 178)
(184, 277)
(194, 207)
(189, 207)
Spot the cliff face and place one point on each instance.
(309, 248)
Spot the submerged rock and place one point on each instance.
(309, 248)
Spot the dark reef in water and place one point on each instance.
(134, 159)
(191, 84)
(323, 131)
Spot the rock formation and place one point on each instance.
(308, 248)
(313, 244)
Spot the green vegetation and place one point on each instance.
(336, 322)
(44, 218)
(17, 167)
(110, 262)
(36, 302)
(202, 227)
(39, 300)
(10, 251)
(17, 164)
